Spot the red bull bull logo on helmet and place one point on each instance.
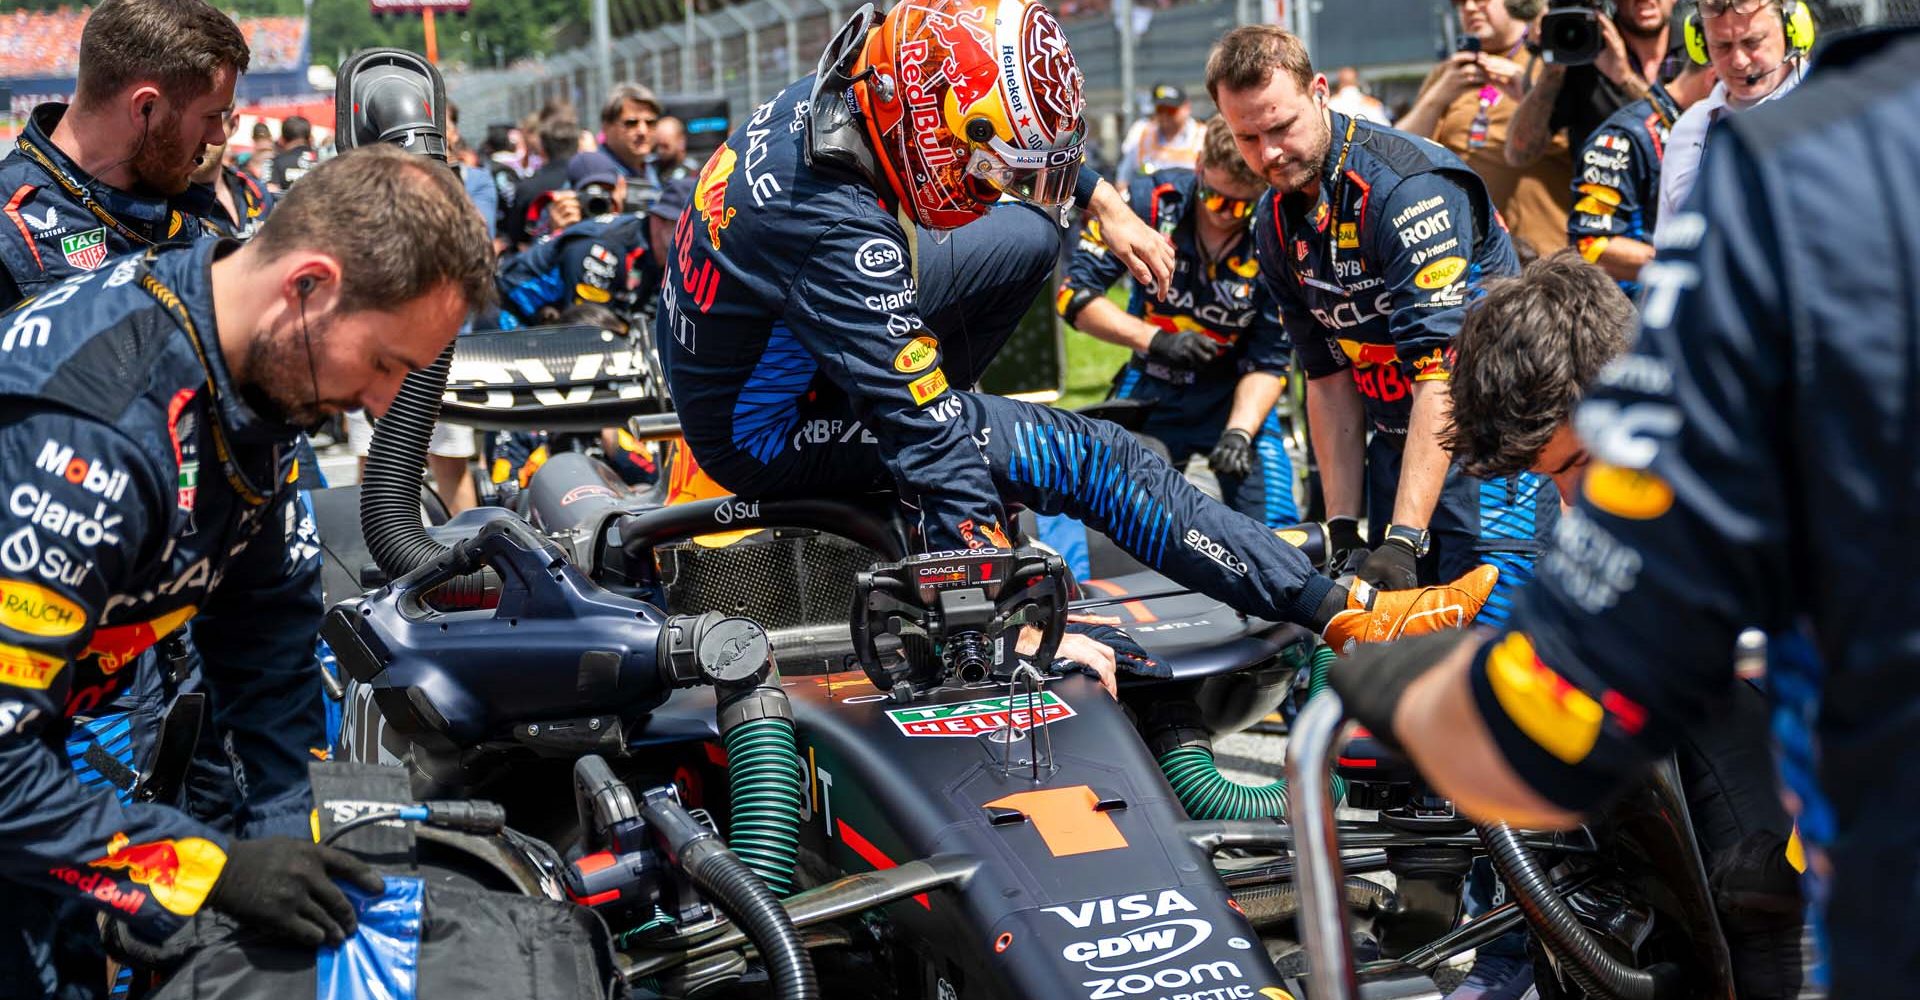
(969, 65)
(178, 873)
(710, 193)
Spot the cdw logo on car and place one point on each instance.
(971, 718)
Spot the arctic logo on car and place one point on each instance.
(1152, 944)
(972, 718)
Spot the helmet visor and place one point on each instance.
(1041, 177)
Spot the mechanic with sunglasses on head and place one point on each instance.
(847, 269)
(1211, 357)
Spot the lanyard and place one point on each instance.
(81, 193)
(1333, 219)
(1477, 132)
(236, 477)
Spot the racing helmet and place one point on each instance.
(967, 100)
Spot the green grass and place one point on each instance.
(1091, 363)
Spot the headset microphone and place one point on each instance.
(305, 288)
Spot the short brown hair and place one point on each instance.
(399, 223)
(1524, 356)
(617, 101)
(1246, 58)
(1218, 152)
(176, 44)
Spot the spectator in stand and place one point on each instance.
(1350, 100)
(670, 149)
(1167, 138)
(559, 139)
(296, 155)
(1638, 38)
(627, 120)
(1467, 105)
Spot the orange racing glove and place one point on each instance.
(1382, 615)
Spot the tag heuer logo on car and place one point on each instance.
(972, 718)
(87, 250)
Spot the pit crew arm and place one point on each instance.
(1254, 396)
(1532, 127)
(1681, 536)
(896, 384)
(1607, 194)
(1264, 369)
(1146, 254)
(256, 637)
(67, 545)
(1337, 428)
(1082, 299)
(1423, 465)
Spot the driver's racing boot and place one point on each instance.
(1381, 615)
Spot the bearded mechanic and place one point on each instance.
(149, 413)
(1211, 358)
(1371, 241)
(844, 265)
(110, 174)
(1753, 464)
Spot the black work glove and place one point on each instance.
(1754, 885)
(1181, 348)
(1392, 566)
(1233, 456)
(284, 886)
(1346, 550)
(1372, 679)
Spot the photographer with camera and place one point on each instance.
(1467, 105)
(1596, 57)
(1758, 49)
(536, 207)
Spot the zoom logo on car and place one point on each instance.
(1140, 947)
(1201, 974)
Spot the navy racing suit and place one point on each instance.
(61, 222)
(602, 260)
(1756, 463)
(1616, 189)
(252, 200)
(1221, 299)
(145, 495)
(1371, 277)
(815, 345)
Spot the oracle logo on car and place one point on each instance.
(1140, 947)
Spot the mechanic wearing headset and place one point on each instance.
(1752, 464)
(110, 174)
(139, 505)
(844, 264)
(1371, 242)
(1758, 49)
(1211, 358)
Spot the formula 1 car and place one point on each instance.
(880, 744)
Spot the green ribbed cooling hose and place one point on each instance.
(1208, 794)
(763, 768)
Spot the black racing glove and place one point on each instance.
(1233, 456)
(284, 886)
(1372, 679)
(1345, 548)
(1181, 348)
(1392, 566)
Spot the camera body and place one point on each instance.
(1466, 43)
(597, 200)
(1570, 31)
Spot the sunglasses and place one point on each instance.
(1715, 8)
(1220, 204)
(637, 122)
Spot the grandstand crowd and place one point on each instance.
(41, 44)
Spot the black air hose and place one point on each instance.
(1590, 966)
(390, 491)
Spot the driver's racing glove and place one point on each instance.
(1381, 615)
(1181, 348)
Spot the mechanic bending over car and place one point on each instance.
(845, 263)
(1526, 352)
(1212, 358)
(1373, 240)
(139, 504)
(110, 174)
(1753, 463)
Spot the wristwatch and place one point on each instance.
(1417, 539)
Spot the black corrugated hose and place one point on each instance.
(1591, 967)
(390, 491)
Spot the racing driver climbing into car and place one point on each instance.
(848, 261)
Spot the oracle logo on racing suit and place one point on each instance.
(761, 186)
(1347, 315)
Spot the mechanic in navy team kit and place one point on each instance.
(602, 261)
(1372, 241)
(141, 504)
(1753, 463)
(1211, 359)
(845, 260)
(1616, 179)
(110, 174)
(240, 203)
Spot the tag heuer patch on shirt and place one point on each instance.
(87, 250)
